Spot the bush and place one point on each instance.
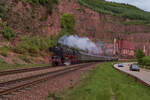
(2, 63)
(4, 50)
(33, 45)
(49, 4)
(139, 55)
(2, 12)
(7, 32)
(25, 59)
(67, 24)
(146, 61)
(67, 27)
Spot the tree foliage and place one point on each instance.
(139, 55)
(67, 24)
(7, 32)
(146, 61)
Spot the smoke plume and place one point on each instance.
(83, 43)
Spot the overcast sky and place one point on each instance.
(143, 4)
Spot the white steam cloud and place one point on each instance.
(83, 43)
(142, 4)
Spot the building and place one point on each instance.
(124, 48)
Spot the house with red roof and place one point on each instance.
(124, 48)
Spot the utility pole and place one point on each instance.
(114, 51)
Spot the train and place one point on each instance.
(65, 55)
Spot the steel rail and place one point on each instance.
(46, 76)
(9, 72)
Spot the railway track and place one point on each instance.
(17, 84)
(3, 73)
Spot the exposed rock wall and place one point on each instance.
(101, 26)
(26, 18)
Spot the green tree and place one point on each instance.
(146, 61)
(67, 24)
(139, 55)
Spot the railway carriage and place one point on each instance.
(64, 55)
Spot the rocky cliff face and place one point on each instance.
(101, 26)
(26, 18)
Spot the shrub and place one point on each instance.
(25, 59)
(2, 12)
(7, 32)
(139, 55)
(4, 50)
(2, 63)
(67, 27)
(67, 24)
(49, 4)
(33, 45)
(146, 61)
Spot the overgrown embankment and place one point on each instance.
(24, 37)
(105, 83)
(29, 46)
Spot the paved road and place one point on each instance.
(143, 75)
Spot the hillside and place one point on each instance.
(110, 19)
(126, 11)
(29, 27)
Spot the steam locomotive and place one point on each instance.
(64, 55)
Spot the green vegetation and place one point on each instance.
(146, 61)
(102, 81)
(2, 63)
(2, 11)
(25, 59)
(49, 4)
(4, 50)
(5, 66)
(67, 24)
(67, 27)
(33, 46)
(54, 96)
(139, 55)
(7, 32)
(143, 60)
(126, 11)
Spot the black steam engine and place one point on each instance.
(64, 55)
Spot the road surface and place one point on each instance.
(143, 76)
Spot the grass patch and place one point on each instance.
(5, 50)
(125, 10)
(53, 96)
(100, 82)
(2, 63)
(16, 65)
